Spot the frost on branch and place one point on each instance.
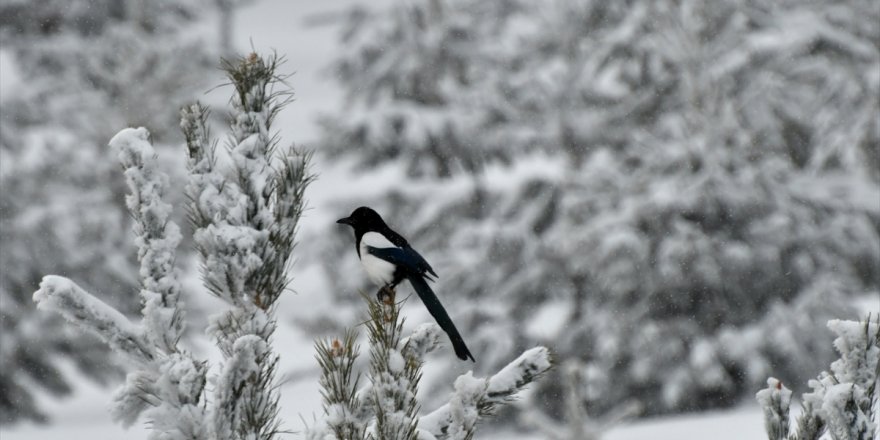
(455, 419)
(62, 295)
(245, 217)
(422, 341)
(156, 237)
(343, 411)
(167, 385)
(387, 407)
(775, 399)
(244, 390)
(394, 379)
(845, 401)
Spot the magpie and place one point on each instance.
(388, 259)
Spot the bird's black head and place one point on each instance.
(364, 219)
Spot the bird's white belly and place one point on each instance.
(378, 270)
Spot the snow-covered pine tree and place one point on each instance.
(657, 171)
(245, 216)
(844, 402)
(86, 68)
(167, 384)
(386, 407)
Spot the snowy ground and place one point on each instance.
(86, 415)
(280, 25)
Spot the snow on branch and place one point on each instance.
(343, 411)
(63, 296)
(246, 217)
(475, 398)
(169, 395)
(246, 403)
(516, 375)
(156, 237)
(775, 399)
(167, 385)
(387, 407)
(425, 339)
(245, 220)
(200, 163)
(394, 379)
(845, 400)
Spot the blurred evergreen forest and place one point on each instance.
(676, 194)
(89, 68)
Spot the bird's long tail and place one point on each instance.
(439, 313)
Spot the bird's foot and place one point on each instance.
(386, 295)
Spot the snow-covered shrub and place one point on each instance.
(84, 69)
(245, 214)
(844, 402)
(386, 407)
(640, 185)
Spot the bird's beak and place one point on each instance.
(344, 221)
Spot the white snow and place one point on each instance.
(396, 362)
(86, 415)
(424, 339)
(532, 361)
(280, 24)
(462, 406)
(62, 295)
(55, 290)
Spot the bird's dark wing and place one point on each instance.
(405, 257)
(423, 266)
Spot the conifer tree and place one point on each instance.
(386, 407)
(245, 214)
(86, 68)
(658, 172)
(844, 402)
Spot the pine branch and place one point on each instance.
(200, 163)
(246, 220)
(476, 398)
(339, 383)
(290, 182)
(425, 339)
(394, 379)
(842, 403)
(156, 237)
(168, 385)
(388, 404)
(775, 399)
(246, 404)
(245, 227)
(82, 309)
